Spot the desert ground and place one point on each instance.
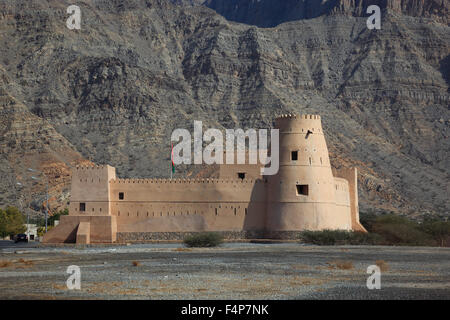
(231, 271)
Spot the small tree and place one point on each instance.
(11, 222)
(206, 239)
(51, 220)
(438, 230)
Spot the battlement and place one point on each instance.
(299, 123)
(93, 167)
(294, 116)
(186, 181)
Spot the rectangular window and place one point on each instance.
(121, 196)
(241, 175)
(294, 155)
(82, 206)
(302, 189)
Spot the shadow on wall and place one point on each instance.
(444, 68)
(270, 13)
(255, 213)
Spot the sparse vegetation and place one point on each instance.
(386, 229)
(136, 263)
(5, 264)
(207, 239)
(382, 265)
(11, 222)
(341, 264)
(337, 237)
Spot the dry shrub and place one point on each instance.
(26, 262)
(382, 265)
(182, 249)
(5, 264)
(136, 263)
(341, 264)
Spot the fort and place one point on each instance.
(305, 194)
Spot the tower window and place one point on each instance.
(121, 196)
(294, 155)
(302, 189)
(82, 206)
(241, 175)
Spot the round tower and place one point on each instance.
(302, 195)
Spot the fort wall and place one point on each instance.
(164, 205)
(304, 195)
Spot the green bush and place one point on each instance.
(397, 230)
(337, 237)
(207, 239)
(11, 222)
(438, 230)
(386, 229)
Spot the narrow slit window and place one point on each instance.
(302, 189)
(294, 155)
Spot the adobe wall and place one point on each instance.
(165, 205)
(351, 176)
(102, 229)
(322, 207)
(90, 185)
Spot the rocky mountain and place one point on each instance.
(113, 91)
(270, 13)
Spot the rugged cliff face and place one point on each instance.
(270, 13)
(113, 91)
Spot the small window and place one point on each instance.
(302, 189)
(294, 155)
(216, 211)
(121, 196)
(246, 211)
(241, 175)
(82, 206)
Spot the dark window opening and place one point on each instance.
(245, 211)
(294, 155)
(82, 206)
(216, 211)
(241, 175)
(234, 211)
(302, 189)
(121, 196)
(308, 133)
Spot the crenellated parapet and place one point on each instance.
(299, 123)
(187, 181)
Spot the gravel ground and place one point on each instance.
(232, 271)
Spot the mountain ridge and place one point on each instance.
(112, 92)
